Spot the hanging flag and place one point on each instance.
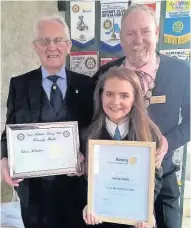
(82, 23)
(111, 14)
(84, 62)
(155, 5)
(177, 30)
(107, 60)
(177, 8)
(183, 54)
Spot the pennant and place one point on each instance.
(155, 6)
(183, 54)
(177, 8)
(82, 23)
(111, 14)
(84, 62)
(177, 30)
(106, 60)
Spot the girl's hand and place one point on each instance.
(89, 218)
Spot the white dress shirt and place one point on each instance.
(123, 127)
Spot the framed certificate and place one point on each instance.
(121, 181)
(42, 149)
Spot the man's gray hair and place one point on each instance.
(56, 18)
(138, 8)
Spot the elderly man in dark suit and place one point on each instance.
(165, 83)
(49, 201)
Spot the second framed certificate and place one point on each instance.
(42, 149)
(121, 181)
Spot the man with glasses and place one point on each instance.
(50, 93)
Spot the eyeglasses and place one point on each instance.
(45, 41)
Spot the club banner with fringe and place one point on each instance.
(177, 30)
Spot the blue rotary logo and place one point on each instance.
(178, 26)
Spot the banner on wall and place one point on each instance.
(177, 30)
(155, 5)
(177, 8)
(84, 62)
(82, 16)
(111, 14)
(106, 60)
(177, 22)
(183, 54)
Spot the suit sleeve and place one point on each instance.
(97, 75)
(87, 102)
(10, 118)
(180, 135)
(158, 183)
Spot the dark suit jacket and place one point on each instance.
(24, 105)
(173, 81)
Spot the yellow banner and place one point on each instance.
(178, 8)
(169, 39)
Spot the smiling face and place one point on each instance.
(52, 55)
(139, 36)
(117, 98)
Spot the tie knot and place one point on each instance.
(53, 78)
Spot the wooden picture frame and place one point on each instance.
(102, 174)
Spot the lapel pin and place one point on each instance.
(77, 91)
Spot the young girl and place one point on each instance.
(120, 114)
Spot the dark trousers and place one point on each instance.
(167, 203)
(55, 203)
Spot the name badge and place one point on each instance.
(158, 99)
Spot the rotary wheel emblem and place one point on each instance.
(82, 37)
(75, 8)
(90, 63)
(178, 26)
(107, 24)
(132, 160)
(20, 137)
(66, 133)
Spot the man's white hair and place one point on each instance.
(138, 8)
(56, 18)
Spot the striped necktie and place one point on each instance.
(117, 135)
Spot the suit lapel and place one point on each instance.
(72, 97)
(35, 95)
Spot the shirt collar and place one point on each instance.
(61, 73)
(123, 127)
(149, 68)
